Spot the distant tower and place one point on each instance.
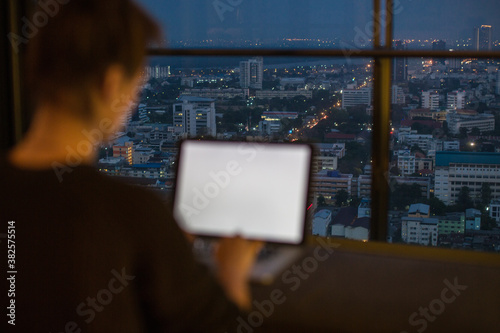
(398, 96)
(439, 46)
(481, 40)
(158, 72)
(252, 73)
(399, 65)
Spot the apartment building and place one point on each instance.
(419, 230)
(327, 183)
(194, 116)
(455, 170)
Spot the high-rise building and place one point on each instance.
(454, 63)
(324, 162)
(430, 100)
(399, 65)
(406, 162)
(455, 100)
(455, 170)
(158, 72)
(353, 97)
(252, 73)
(194, 116)
(439, 45)
(398, 96)
(482, 38)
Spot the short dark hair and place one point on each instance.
(81, 41)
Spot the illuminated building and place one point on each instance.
(482, 38)
(400, 65)
(217, 93)
(354, 97)
(194, 116)
(271, 121)
(283, 94)
(455, 100)
(398, 96)
(158, 72)
(406, 162)
(124, 151)
(252, 73)
(430, 100)
(484, 122)
(455, 170)
(327, 183)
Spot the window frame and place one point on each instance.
(16, 121)
(383, 54)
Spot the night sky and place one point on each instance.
(267, 20)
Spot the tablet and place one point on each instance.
(252, 190)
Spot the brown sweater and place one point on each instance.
(96, 255)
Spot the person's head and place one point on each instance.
(86, 51)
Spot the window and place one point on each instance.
(423, 86)
(329, 70)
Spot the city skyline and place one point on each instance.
(326, 20)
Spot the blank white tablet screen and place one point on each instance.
(256, 191)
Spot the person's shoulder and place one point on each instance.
(85, 185)
(140, 210)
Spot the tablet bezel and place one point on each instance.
(216, 142)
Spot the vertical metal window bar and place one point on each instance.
(381, 125)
